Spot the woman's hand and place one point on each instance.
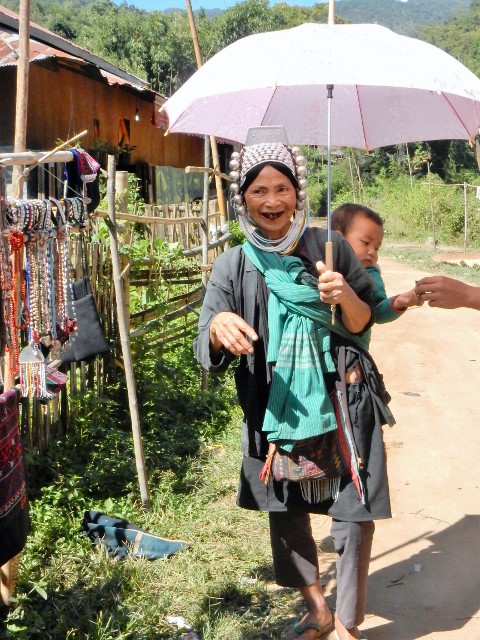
(230, 331)
(334, 289)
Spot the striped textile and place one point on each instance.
(14, 508)
(299, 326)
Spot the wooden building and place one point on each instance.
(71, 89)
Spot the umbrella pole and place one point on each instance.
(328, 244)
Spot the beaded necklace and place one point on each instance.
(61, 266)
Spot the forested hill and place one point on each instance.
(459, 36)
(157, 45)
(402, 17)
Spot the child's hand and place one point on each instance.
(405, 300)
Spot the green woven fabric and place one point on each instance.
(299, 326)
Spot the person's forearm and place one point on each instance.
(472, 297)
(356, 314)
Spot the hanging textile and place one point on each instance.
(14, 511)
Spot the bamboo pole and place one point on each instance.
(213, 141)
(21, 105)
(331, 12)
(432, 213)
(33, 157)
(124, 336)
(204, 227)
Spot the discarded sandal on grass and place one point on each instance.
(321, 630)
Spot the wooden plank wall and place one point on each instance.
(65, 100)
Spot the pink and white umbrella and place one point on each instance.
(388, 89)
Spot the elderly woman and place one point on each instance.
(269, 303)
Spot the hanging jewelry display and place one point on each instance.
(32, 372)
(35, 281)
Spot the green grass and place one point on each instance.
(421, 256)
(221, 584)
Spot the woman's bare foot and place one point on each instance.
(346, 634)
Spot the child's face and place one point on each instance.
(365, 237)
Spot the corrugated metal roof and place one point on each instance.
(38, 50)
(46, 44)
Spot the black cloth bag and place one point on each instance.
(89, 339)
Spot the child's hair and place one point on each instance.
(343, 216)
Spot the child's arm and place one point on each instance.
(392, 308)
(389, 309)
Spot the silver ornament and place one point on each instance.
(235, 176)
(240, 211)
(295, 151)
(237, 199)
(234, 187)
(302, 183)
(301, 171)
(300, 206)
(300, 161)
(234, 165)
(301, 195)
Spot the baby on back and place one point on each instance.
(363, 229)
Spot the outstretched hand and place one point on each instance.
(228, 330)
(447, 293)
(405, 300)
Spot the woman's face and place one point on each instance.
(271, 200)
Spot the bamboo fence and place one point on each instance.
(42, 424)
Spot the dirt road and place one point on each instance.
(425, 570)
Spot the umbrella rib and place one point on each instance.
(269, 103)
(361, 118)
(458, 116)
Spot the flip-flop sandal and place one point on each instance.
(362, 636)
(300, 628)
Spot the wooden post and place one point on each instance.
(204, 383)
(331, 12)
(124, 336)
(432, 213)
(121, 188)
(213, 142)
(21, 106)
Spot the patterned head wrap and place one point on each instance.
(290, 162)
(265, 153)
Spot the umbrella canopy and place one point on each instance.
(388, 89)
